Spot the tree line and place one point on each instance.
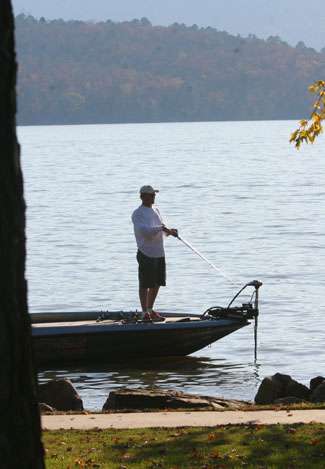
(106, 72)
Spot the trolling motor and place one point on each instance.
(244, 312)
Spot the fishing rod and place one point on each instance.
(192, 248)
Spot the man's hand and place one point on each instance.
(170, 231)
(174, 232)
(166, 230)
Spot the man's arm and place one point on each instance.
(167, 231)
(146, 230)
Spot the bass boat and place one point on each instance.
(81, 337)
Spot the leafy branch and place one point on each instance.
(310, 129)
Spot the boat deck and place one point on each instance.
(111, 322)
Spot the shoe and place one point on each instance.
(156, 317)
(147, 318)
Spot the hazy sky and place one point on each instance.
(292, 20)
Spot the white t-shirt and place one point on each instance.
(147, 223)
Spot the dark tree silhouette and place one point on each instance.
(20, 435)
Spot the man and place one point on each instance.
(149, 229)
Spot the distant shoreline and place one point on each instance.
(74, 73)
(153, 123)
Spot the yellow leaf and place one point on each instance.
(294, 136)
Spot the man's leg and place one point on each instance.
(151, 297)
(143, 295)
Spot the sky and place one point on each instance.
(292, 20)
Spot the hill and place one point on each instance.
(83, 72)
(292, 20)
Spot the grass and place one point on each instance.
(248, 446)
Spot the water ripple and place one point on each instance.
(237, 191)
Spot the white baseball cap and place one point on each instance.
(148, 190)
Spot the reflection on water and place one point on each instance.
(190, 374)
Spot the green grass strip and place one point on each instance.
(249, 446)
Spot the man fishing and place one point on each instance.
(149, 230)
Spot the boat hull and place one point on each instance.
(118, 342)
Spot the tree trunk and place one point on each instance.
(20, 434)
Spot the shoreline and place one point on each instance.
(250, 407)
(60, 398)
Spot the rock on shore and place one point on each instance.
(282, 389)
(141, 399)
(60, 395)
(318, 394)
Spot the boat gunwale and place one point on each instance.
(100, 328)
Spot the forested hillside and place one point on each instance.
(79, 72)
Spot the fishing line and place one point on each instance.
(186, 243)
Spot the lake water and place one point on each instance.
(238, 192)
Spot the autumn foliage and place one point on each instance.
(310, 129)
(106, 72)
